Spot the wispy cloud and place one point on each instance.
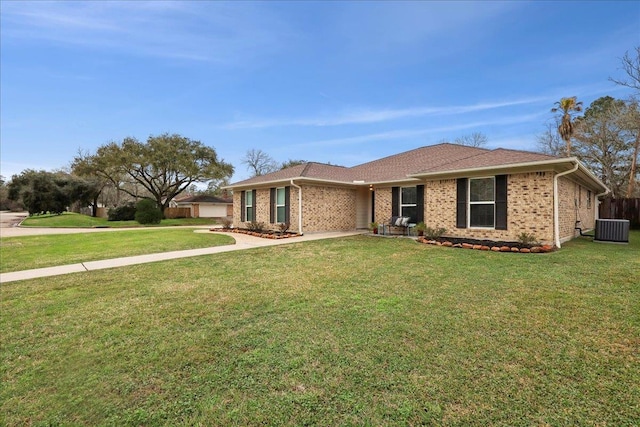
(412, 133)
(202, 31)
(362, 116)
(389, 26)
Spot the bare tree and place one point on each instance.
(549, 142)
(475, 139)
(631, 66)
(259, 162)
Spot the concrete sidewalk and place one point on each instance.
(243, 241)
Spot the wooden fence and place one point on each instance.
(177, 213)
(621, 209)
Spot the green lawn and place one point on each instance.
(23, 253)
(69, 219)
(352, 331)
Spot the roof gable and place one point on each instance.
(312, 170)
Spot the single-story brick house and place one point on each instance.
(471, 192)
(204, 206)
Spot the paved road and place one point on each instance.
(9, 227)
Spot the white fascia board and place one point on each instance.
(570, 161)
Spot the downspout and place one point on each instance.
(596, 214)
(299, 206)
(556, 203)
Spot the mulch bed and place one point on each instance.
(487, 245)
(262, 234)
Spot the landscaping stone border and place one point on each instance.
(261, 234)
(486, 245)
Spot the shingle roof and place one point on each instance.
(444, 157)
(306, 170)
(399, 166)
(203, 199)
(490, 158)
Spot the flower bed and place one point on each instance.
(487, 245)
(262, 234)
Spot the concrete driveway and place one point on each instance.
(9, 228)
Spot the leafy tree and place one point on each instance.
(568, 107)
(259, 162)
(164, 166)
(475, 139)
(147, 212)
(631, 67)
(84, 168)
(605, 143)
(5, 203)
(42, 191)
(214, 187)
(631, 122)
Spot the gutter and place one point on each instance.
(556, 203)
(299, 206)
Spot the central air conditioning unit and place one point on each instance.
(612, 230)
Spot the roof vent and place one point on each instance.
(612, 230)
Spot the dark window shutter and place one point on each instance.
(254, 210)
(243, 206)
(287, 204)
(501, 202)
(272, 205)
(420, 203)
(395, 201)
(461, 203)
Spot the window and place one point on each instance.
(248, 204)
(588, 199)
(409, 203)
(482, 202)
(280, 205)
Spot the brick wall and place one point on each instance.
(529, 208)
(382, 204)
(327, 208)
(573, 205)
(324, 208)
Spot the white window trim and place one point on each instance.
(469, 203)
(408, 205)
(283, 205)
(248, 194)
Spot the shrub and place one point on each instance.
(434, 233)
(527, 239)
(284, 226)
(122, 213)
(226, 222)
(147, 212)
(256, 226)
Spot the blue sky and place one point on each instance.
(338, 82)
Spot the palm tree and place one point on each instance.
(568, 107)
